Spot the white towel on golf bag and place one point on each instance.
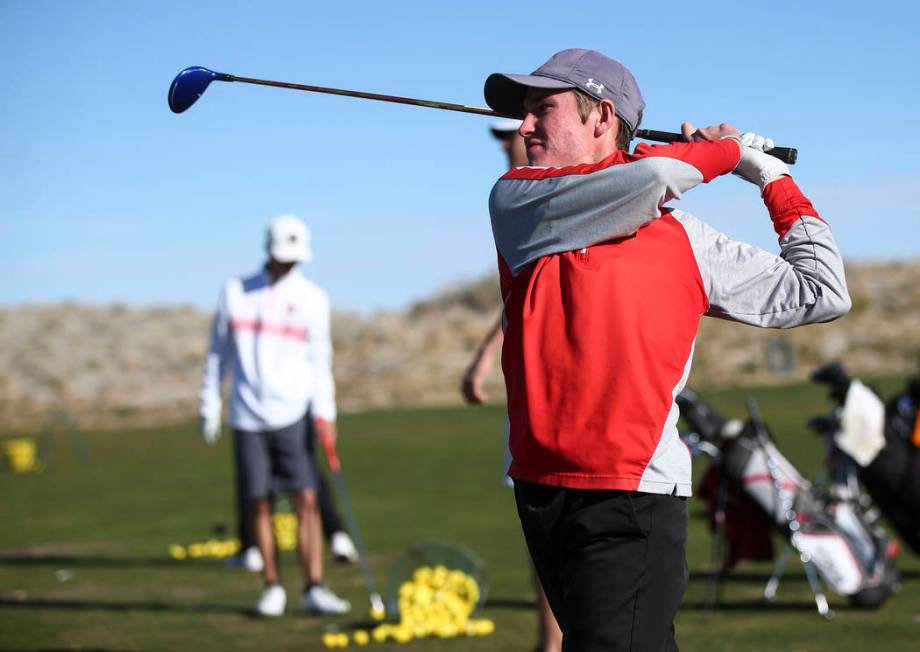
(862, 424)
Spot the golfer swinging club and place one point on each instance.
(603, 291)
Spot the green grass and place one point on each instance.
(412, 476)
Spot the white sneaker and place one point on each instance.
(272, 601)
(343, 549)
(319, 599)
(249, 559)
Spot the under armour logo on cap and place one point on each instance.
(592, 85)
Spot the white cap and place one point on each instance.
(504, 128)
(288, 240)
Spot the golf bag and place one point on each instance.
(828, 526)
(892, 477)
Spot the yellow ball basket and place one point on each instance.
(20, 454)
(433, 555)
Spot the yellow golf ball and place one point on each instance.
(402, 635)
(361, 637)
(177, 552)
(483, 626)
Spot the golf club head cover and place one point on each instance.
(862, 425)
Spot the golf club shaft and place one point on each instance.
(369, 96)
(376, 601)
(785, 154)
(335, 466)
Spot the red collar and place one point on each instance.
(617, 158)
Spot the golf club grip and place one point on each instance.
(332, 457)
(785, 154)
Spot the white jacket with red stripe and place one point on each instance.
(603, 291)
(276, 338)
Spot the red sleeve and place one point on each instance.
(712, 158)
(786, 204)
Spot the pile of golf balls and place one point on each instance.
(435, 602)
(285, 526)
(213, 548)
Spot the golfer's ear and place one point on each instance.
(606, 117)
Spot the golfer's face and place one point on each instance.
(553, 132)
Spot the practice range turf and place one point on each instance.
(84, 562)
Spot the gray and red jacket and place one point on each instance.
(603, 291)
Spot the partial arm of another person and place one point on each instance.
(471, 385)
(215, 367)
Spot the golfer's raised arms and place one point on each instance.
(541, 211)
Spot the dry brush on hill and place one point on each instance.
(114, 365)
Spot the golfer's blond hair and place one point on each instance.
(586, 104)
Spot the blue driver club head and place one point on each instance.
(189, 85)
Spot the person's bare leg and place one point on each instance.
(309, 535)
(550, 634)
(265, 538)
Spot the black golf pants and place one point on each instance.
(613, 564)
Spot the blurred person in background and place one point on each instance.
(550, 636)
(249, 558)
(272, 329)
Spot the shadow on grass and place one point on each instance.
(525, 604)
(744, 577)
(102, 561)
(67, 649)
(701, 605)
(102, 605)
(757, 605)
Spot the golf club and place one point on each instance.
(335, 466)
(191, 83)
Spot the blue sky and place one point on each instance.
(105, 195)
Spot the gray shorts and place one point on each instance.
(274, 460)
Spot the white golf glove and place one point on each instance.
(755, 141)
(210, 428)
(755, 166)
(862, 425)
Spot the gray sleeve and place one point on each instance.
(532, 218)
(805, 284)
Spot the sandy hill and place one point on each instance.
(113, 365)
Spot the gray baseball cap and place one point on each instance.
(597, 75)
